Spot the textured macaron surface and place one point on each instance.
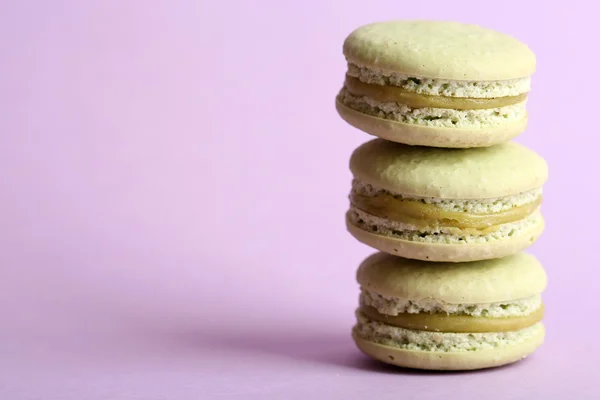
(439, 49)
(477, 173)
(392, 305)
(440, 341)
(435, 117)
(515, 277)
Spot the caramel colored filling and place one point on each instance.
(428, 216)
(454, 323)
(416, 100)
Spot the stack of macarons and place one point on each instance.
(446, 198)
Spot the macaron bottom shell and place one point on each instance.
(447, 252)
(418, 135)
(450, 361)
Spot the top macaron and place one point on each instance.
(437, 84)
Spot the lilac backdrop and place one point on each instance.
(173, 182)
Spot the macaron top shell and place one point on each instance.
(476, 173)
(439, 49)
(504, 279)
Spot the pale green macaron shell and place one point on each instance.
(437, 58)
(478, 173)
(487, 281)
(441, 50)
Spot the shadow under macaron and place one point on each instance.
(296, 345)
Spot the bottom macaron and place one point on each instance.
(450, 316)
(425, 247)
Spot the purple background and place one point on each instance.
(173, 182)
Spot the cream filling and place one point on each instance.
(474, 206)
(437, 341)
(434, 117)
(395, 305)
(441, 235)
(441, 87)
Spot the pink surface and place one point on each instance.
(173, 182)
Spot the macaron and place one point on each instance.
(450, 316)
(437, 204)
(436, 83)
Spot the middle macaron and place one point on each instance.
(446, 205)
